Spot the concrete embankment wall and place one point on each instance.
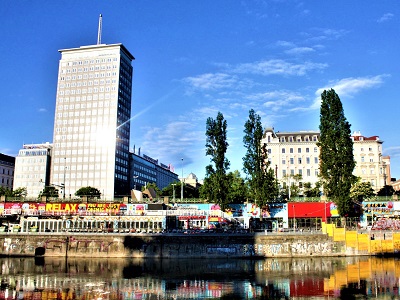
(337, 242)
(171, 245)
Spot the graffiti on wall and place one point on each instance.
(386, 224)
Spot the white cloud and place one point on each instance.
(299, 50)
(171, 139)
(392, 151)
(347, 87)
(211, 81)
(325, 34)
(385, 17)
(277, 100)
(278, 67)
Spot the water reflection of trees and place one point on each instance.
(201, 278)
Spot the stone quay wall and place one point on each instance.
(171, 245)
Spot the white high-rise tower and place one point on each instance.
(91, 126)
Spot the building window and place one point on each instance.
(283, 150)
(283, 162)
(362, 159)
(315, 150)
(316, 160)
(283, 173)
(308, 172)
(298, 150)
(291, 160)
(299, 160)
(291, 150)
(307, 160)
(307, 150)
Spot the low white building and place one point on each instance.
(32, 168)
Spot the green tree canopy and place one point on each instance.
(20, 192)
(188, 190)
(361, 191)
(237, 192)
(387, 190)
(5, 191)
(336, 153)
(215, 184)
(263, 187)
(88, 191)
(49, 192)
(153, 185)
(310, 191)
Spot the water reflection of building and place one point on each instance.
(27, 278)
(371, 277)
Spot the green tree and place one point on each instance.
(310, 191)
(49, 192)
(237, 193)
(88, 191)
(5, 191)
(188, 191)
(215, 184)
(263, 186)
(336, 153)
(168, 191)
(361, 191)
(293, 181)
(387, 190)
(20, 192)
(153, 185)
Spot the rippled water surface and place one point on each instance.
(311, 278)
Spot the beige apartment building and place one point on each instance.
(92, 120)
(297, 153)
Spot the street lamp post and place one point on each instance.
(182, 184)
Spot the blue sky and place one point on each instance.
(195, 58)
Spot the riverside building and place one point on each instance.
(32, 168)
(92, 120)
(7, 165)
(297, 153)
(145, 169)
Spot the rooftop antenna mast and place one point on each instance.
(99, 30)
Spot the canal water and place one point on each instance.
(291, 278)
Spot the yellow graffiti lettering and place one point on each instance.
(70, 207)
